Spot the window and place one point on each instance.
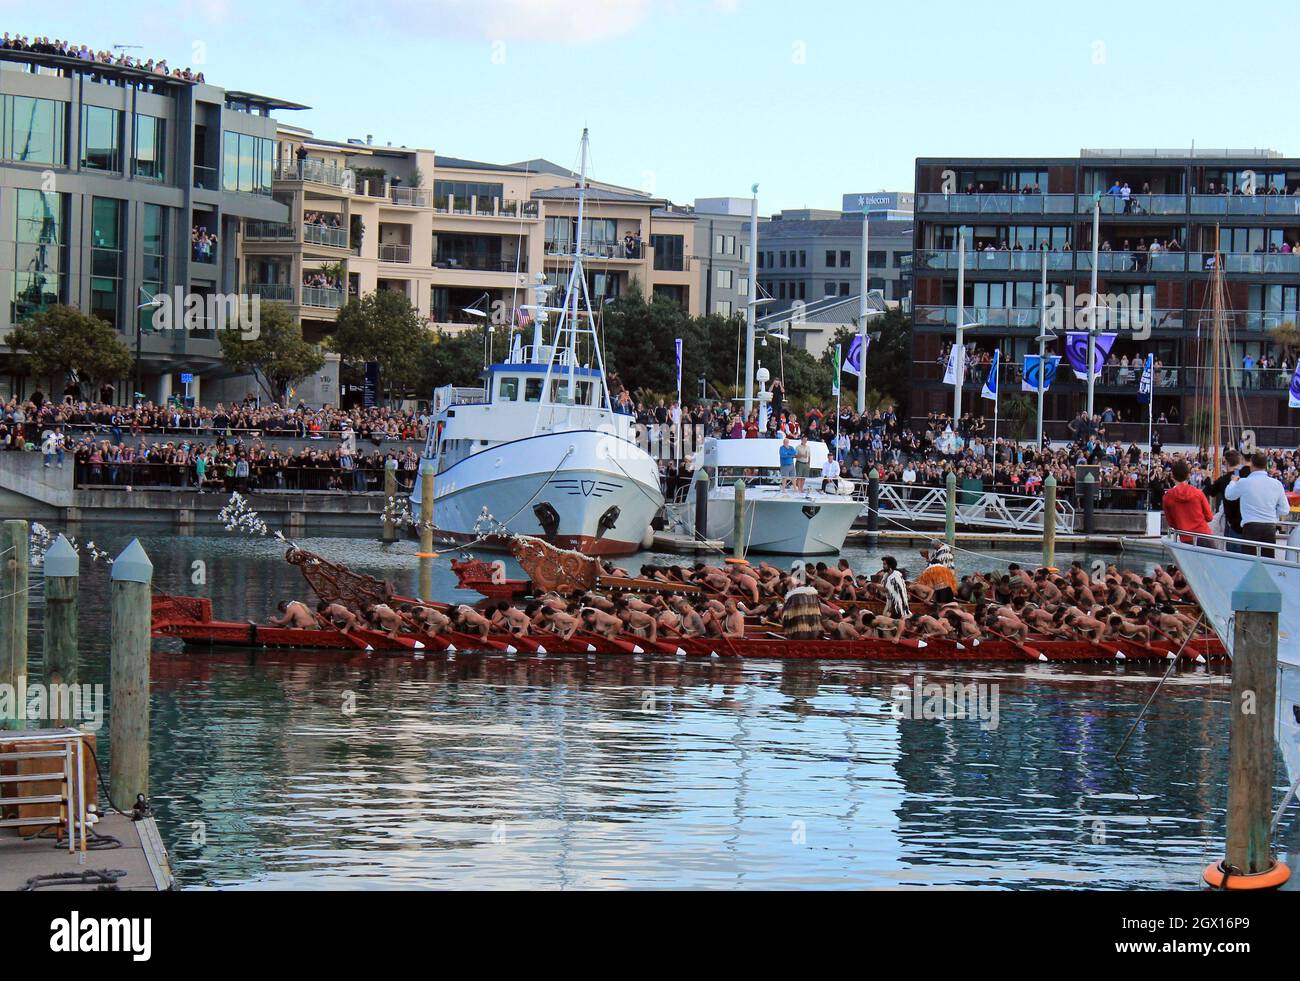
(744, 255)
(147, 159)
(717, 244)
(844, 289)
(464, 190)
(846, 259)
(782, 260)
(831, 289)
(803, 259)
(803, 290)
(106, 259)
(670, 252)
(41, 252)
(34, 130)
(830, 258)
(761, 263)
(101, 138)
(877, 260)
(742, 286)
(154, 256)
(508, 391)
(248, 163)
(723, 279)
(532, 390)
(730, 245)
(722, 308)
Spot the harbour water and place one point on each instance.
(275, 769)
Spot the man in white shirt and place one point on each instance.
(830, 475)
(1263, 503)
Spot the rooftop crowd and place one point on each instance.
(82, 52)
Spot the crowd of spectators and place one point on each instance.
(82, 52)
(203, 244)
(316, 279)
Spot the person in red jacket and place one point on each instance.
(1186, 507)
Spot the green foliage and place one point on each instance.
(888, 359)
(1016, 411)
(277, 357)
(385, 328)
(1287, 337)
(62, 339)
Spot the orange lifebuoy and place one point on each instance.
(737, 562)
(427, 555)
(1215, 875)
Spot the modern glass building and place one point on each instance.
(108, 176)
(1163, 215)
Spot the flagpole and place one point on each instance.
(1042, 355)
(961, 322)
(1151, 424)
(997, 398)
(839, 384)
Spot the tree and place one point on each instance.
(1287, 337)
(61, 339)
(277, 357)
(888, 358)
(385, 328)
(1016, 411)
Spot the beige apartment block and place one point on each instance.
(462, 240)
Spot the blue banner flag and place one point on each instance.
(1148, 378)
(991, 382)
(1033, 367)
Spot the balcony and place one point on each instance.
(312, 171)
(322, 297)
(1137, 204)
(1246, 204)
(998, 203)
(1255, 263)
(1134, 262)
(946, 316)
(206, 178)
(410, 197)
(394, 252)
(279, 292)
(328, 235)
(481, 263)
(449, 204)
(598, 250)
(1026, 260)
(256, 230)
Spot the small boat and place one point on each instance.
(777, 519)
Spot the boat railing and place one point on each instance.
(1280, 552)
(909, 504)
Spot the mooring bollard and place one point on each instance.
(14, 558)
(390, 492)
(426, 535)
(950, 531)
(738, 522)
(701, 507)
(1089, 504)
(130, 608)
(62, 579)
(873, 508)
(1249, 862)
(1049, 522)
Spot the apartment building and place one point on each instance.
(108, 175)
(1017, 215)
(722, 249)
(806, 257)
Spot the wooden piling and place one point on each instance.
(426, 535)
(950, 527)
(1089, 503)
(1257, 602)
(701, 506)
(62, 579)
(1049, 522)
(738, 522)
(129, 615)
(873, 507)
(14, 559)
(390, 492)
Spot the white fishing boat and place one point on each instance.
(777, 519)
(539, 450)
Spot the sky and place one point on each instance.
(704, 98)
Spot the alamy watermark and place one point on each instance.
(1110, 311)
(179, 310)
(81, 704)
(954, 700)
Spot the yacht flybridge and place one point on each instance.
(539, 450)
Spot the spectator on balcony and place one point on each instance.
(203, 245)
(301, 154)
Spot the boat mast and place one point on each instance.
(1216, 308)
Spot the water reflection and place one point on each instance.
(271, 770)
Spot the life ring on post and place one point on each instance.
(1217, 877)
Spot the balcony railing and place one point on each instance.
(311, 169)
(1136, 204)
(1141, 205)
(449, 204)
(1122, 262)
(256, 229)
(336, 238)
(281, 292)
(411, 197)
(599, 250)
(1246, 204)
(1118, 319)
(999, 203)
(318, 296)
(481, 263)
(391, 252)
(207, 178)
(1025, 260)
(370, 187)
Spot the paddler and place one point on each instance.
(896, 605)
(338, 615)
(472, 620)
(294, 614)
(939, 576)
(385, 618)
(512, 619)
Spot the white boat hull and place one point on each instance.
(1213, 576)
(790, 524)
(586, 491)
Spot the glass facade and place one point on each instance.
(670, 252)
(150, 147)
(154, 256)
(35, 130)
(248, 163)
(106, 259)
(40, 277)
(101, 138)
(464, 190)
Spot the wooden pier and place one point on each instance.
(139, 865)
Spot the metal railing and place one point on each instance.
(281, 292)
(257, 229)
(913, 504)
(394, 252)
(482, 263)
(411, 197)
(598, 250)
(1114, 205)
(207, 178)
(322, 296)
(312, 170)
(334, 237)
